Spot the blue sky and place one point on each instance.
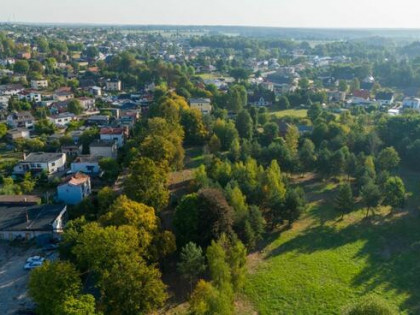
(286, 13)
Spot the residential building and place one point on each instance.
(11, 89)
(202, 104)
(30, 96)
(96, 91)
(113, 134)
(104, 149)
(411, 103)
(62, 119)
(74, 189)
(17, 133)
(385, 98)
(86, 164)
(87, 102)
(19, 200)
(71, 150)
(20, 120)
(39, 84)
(28, 222)
(99, 120)
(40, 161)
(113, 85)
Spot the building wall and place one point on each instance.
(118, 138)
(110, 152)
(70, 194)
(85, 168)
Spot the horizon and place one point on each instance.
(325, 14)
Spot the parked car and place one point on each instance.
(33, 265)
(34, 259)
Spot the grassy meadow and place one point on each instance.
(324, 263)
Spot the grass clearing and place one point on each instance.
(323, 263)
(298, 113)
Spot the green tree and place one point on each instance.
(344, 202)
(355, 85)
(147, 183)
(342, 86)
(3, 130)
(371, 196)
(292, 140)
(388, 159)
(284, 102)
(314, 112)
(28, 183)
(84, 304)
(21, 66)
(370, 305)
(192, 262)
(307, 156)
(394, 192)
(214, 144)
(244, 124)
(52, 284)
(75, 107)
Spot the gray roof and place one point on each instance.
(40, 218)
(42, 157)
(102, 143)
(200, 100)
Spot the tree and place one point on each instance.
(3, 130)
(194, 128)
(52, 284)
(307, 156)
(208, 300)
(147, 183)
(342, 86)
(292, 140)
(388, 159)
(344, 200)
(27, 184)
(84, 304)
(314, 112)
(218, 266)
(21, 66)
(355, 85)
(394, 192)
(44, 126)
(192, 263)
(106, 196)
(75, 107)
(214, 144)
(284, 102)
(244, 124)
(371, 196)
(111, 169)
(237, 98)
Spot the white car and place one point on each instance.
(32, 265)
(35, 259)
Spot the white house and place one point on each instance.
(104, 149)
(74, 189)
(39, 84)
(113, 134)
(18, 133)
(113, 85)
(40, 161)
(385, 98)
(202, 104)
(87, 164)
(30, 96)
(411, 102)
(20, 120)
(87, 102)
(11, 89)
(62, 119)
(96, 91)
(27, 222)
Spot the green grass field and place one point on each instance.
(324, 263)
(298, 113)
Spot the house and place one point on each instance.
(30, 95)
(202, 104)
(28, 222)
(71, 150)
(87, 102)
(113, 85)
(104, 149)
(360, 97)
(336, 96)
(385, 98)
(20, 120)
(11, 89)
(411, 103)
(39, 84)
(19, 200)
(113, 134)
(74, 189)
(86, 164)
(62, 96)
(24, 55)
(62, 119)
(40, 161)
(96, 91)
(99, 120)
(17, 133)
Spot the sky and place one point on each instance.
(275, 13)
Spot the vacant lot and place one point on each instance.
(13, 278)
(324, 263)
(298, 113)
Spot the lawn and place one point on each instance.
(324, 263)
(298, 113)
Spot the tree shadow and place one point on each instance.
(391, 248)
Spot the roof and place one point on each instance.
(199, 100)
(40, 218)
(42, 157)
(362, 94)
(112, 131)
(76, 179)
(385, 96)
(102, 143)
(87, 159)
(19, 200)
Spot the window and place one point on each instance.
(53, 164)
